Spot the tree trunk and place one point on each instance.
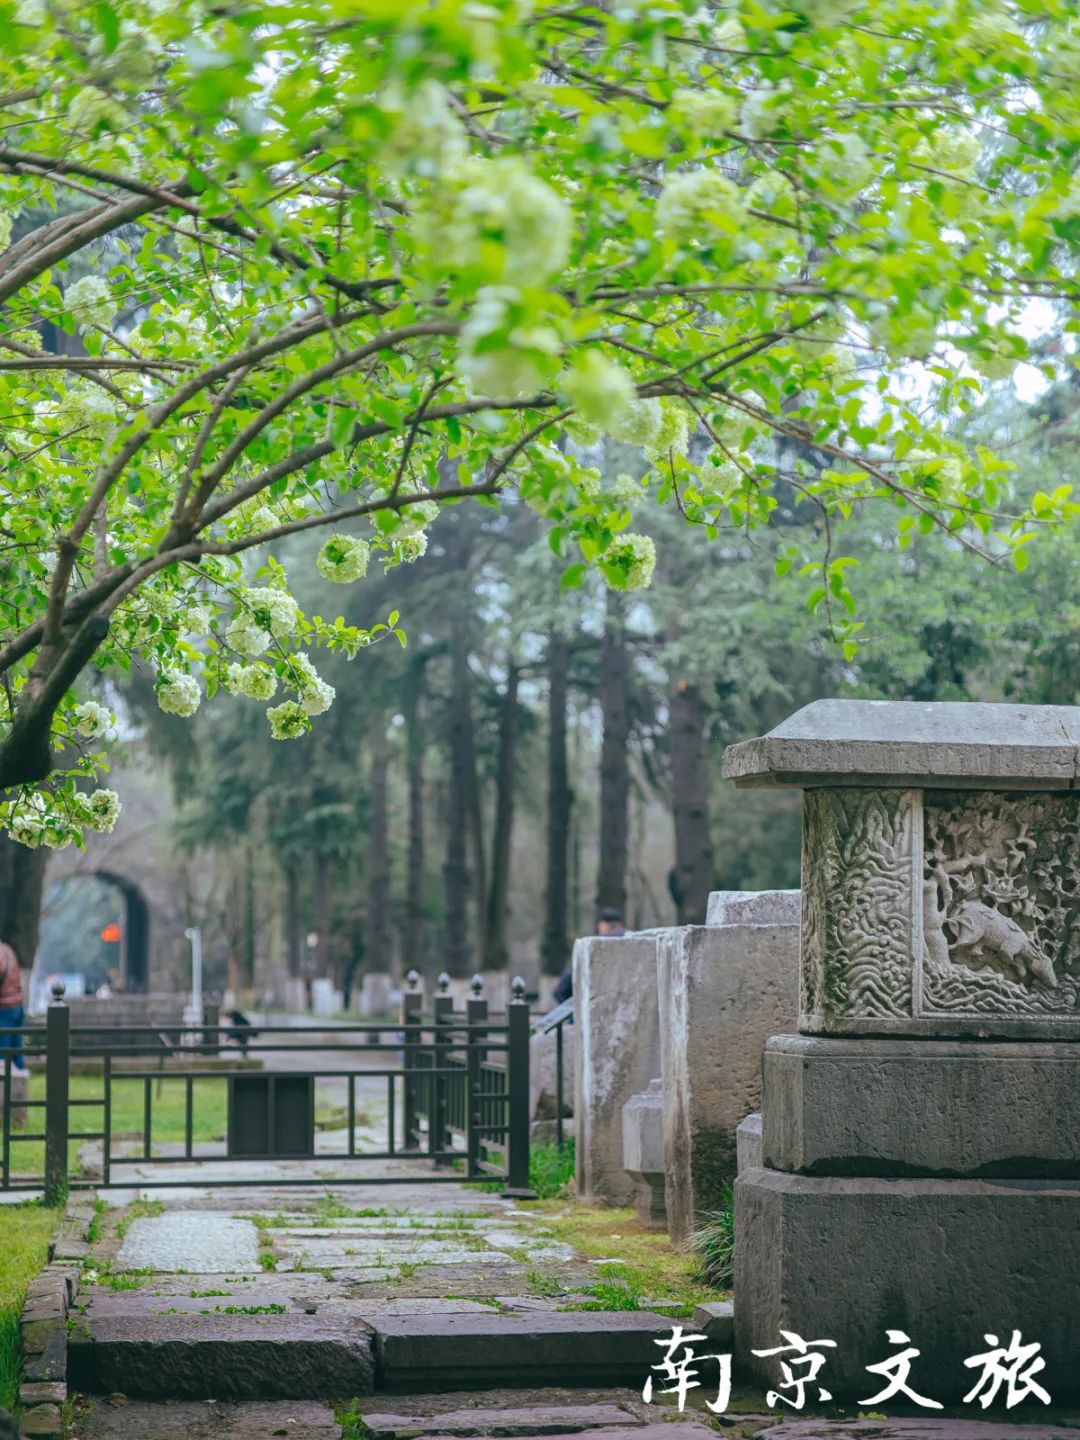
(693, 876)
(294, 937)
(456, 866)
(377, 949)
(22, 879)
(614, 769)
(496, 951)
(555, 952)
(249, 917)
(322, 916)
(414, 867)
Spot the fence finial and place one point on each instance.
(59, 990)
(444, 983)
(412, 979)
(517, 989)
(477, 985)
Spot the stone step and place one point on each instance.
(120, 1419)
(221, 1357)
(469, 1351)
(499, 1419)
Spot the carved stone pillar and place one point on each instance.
(920, 1164)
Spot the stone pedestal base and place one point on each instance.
(946, 1261)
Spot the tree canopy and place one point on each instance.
(313, 264)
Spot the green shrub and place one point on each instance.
(714, 1244)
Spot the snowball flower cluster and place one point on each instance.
(288, 721)
(427, 137)
(258, 682)
(410, 548)
(598, 388)
(177, 693)
(482, 201)
(26, 821)
(266, 615)
(705, 112)
(101, 810)
(629, 562)
(197, 621)
(343, 558)
(626, 491)
(700, 205)
(515, 365)
(316, 696)
(90, 301)
(84, 407)
(673, 433)
(91, 719)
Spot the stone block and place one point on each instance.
(723, 990)
(921, 1107)
(948, 1262)
(754, 907)
(748, 1147)
(51, 1362)
(378, 995)
(42, 1392)
(643, 1151)
(42, 1422)
(501, 1420)
(465, 1352)
(543, 1071)
(617, 1052)
(716, 1319)
(241, 1357)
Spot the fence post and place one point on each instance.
(517, 1094)
(443, 1006)
(476, 1013)
(411, 1002)
(57, 1061)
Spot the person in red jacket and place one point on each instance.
(12, 1014)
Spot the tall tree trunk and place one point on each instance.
(414, 867)
(694, 867)
(555, 953)
(294, 936)
(249, 917)
(614, 767)
(496, 951)
(322, 915)
(456, 951)
(22, 880)
(378, 937)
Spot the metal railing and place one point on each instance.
(459, 1083)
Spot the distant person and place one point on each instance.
(240, 1022)
(12, 1014)
(609, 923)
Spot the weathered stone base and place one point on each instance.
(946, 1261)
(960, 1108)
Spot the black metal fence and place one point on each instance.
(456, 1088)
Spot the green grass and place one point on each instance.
(550, 1170)
(620, 1289)
(24, 1246)
(714, 1244)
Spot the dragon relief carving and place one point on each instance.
(1001, 904)
(857, 927)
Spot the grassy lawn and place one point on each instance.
(643, 1264)
(24, 1240)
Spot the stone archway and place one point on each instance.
(134, 933)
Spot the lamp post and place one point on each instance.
(193, 1012)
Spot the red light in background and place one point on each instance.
(111, 933)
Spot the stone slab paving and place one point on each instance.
(199, 1244)
(209, 1420)
(915, 1428)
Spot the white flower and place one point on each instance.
(639, 424)
(26, 821)
(626, 491)
(700, 205)
(177, 693)
(102, 810)
(256, 681)
(427, 137)
(90, 302)
(629, 562)
(91, 719)
(598, 388)
(706, 112)
(316, 696)
(247, 638)
(673, 435)
(410, 548)
(483, 202)
(85, 407)
(263, 518)
(343, 558)
(515, 366)
(275, 610)
(287, 721)
(197, 621)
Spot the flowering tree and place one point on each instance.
(340, 265)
